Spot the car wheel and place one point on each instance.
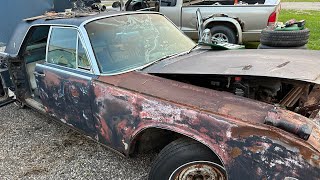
(223, 34)
(273, 38)
(103, 8)
(186, 159)
(3, 93)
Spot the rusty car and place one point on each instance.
(135, 83)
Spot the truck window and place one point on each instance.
(62, 47)
(168, 3)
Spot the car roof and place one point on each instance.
(19, 34)
(79, 18)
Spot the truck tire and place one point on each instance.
(223, 34)
(182, 158)
(284, 38)
(261, 46)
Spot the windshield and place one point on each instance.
(129, 42)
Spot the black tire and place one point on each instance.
(183, 153)
(261, 46)
(103, 8)
(273, 38)
(228, 32)
(3, 93)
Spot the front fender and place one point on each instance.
(226, 19)
(249, 150)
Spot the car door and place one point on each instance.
(5, 80)
(64, 80)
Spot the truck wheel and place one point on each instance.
(273, 38)
(186, 159)
(223, 34)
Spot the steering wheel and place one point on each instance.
(135, 5)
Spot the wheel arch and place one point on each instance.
(229, 22)
(134, 142)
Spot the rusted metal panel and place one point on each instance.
(125, 105)
(289, 122)
(221, 103)
(67, 98)
(285, 64)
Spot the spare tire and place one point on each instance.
(261, 46)
(273, 38)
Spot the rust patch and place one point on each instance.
(256, 149)
(235, 152)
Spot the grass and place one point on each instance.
(312, 22)
(299, 0)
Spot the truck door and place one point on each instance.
(64, 80)
(172, 9)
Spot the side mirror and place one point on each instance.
(116, 4)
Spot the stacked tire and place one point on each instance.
(271, 39)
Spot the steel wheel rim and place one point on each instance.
(219, 38)
(199, 170)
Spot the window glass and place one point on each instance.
(170, 3)
(62, 47)
(83, 61)
(127, 42)
(36, 45)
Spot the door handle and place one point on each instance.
(39, 74)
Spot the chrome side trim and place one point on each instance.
(58, 68)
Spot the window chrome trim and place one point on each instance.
(91, 71)
(79, 40)
(88, 46)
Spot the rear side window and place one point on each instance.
(62, 47)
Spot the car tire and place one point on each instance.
(273, 38)
(261, 46)
(103, 8)
(224, 33)
(4, 95)
(182, 156)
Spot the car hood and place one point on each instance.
(301, 65)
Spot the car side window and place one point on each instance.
(83, 60)
(168, 3)
(62, 47)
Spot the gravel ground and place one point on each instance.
(301, 5)
(35, 147)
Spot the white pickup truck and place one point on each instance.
(230, 21)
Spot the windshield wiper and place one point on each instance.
(162, 58)
(193, 48)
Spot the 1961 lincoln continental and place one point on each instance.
(134, 82)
